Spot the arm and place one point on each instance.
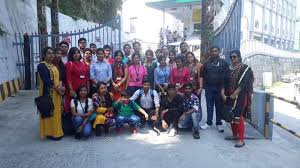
(125, 75)
(73, 109)
(92, 74)
(195, 106)
(135, 95)
(156, 102)
(109, 73)
(143, 112)
(172, 76)
(128, 80)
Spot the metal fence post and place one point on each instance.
(27, 62)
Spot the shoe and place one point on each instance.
(133, 130)
(230, 138)
(157, 131)
(142, 126)
(119, 131)
(54, 139)
(220, 128)
(172, 132)
(196, 135)
(239, 144)
(98, 130)
(205, 126)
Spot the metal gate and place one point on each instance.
(108, 33)
(228, 35)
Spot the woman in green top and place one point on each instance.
(126, 108)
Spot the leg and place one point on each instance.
(196, 119)
(87, 130)
(219, 107)
(77, 121)
(185, 122)
(209, 105)
(133, 121)
(120, 121)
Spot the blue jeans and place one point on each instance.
(87, 128)
(213, 98)
(132, 120)
(191, 120)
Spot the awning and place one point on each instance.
(161, 4)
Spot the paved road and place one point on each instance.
(20, 146)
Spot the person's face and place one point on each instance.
(146, 86)
(179, 63)
(149, 56)
(93, 48)
(163, 62)
(83, 92)
(183, 48)
(118, 57)
(82, 44)
(102, 89)
(76, 56)
(88, 55)
(190, 58)
(234, 58)
(64, 48)
(158, 53)
(100, 55)
(188, 91)
(172, 56)
(49, 55)
(136, 60)
(58, 55)
(165, 51)
(214, 52)
(125, 99)
(107, 53)
(136, 47)
(171, 92)
(127, 50)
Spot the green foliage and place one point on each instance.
(99, 11)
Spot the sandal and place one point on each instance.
(239, 145)
(231, 138)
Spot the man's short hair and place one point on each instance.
(63, 42)
(106, 47)
(81, 39)
(92, 44)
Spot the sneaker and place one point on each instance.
(133, 130)
(205, 126)
(172, 132)
(220, 128)
(196, 135)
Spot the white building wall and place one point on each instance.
(270, 21)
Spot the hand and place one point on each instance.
(233, 96)
(164, 124)
(146, 116)
(199, 91)
(224, 97)
(155, 117)
(72, 93)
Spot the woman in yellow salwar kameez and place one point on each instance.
(49, 83)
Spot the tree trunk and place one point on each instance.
(54, 22)
(42, 23)
(207, 28)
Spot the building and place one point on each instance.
(270, 21)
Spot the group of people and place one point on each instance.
(161, 89)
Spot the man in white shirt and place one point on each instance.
(148, 100)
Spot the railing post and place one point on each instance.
(119, 31)
(269, 114)
(26, 51)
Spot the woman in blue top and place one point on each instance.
(162, 75)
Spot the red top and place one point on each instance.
(181, 76)
(77, 74)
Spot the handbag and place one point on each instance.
(228, 113)
(44, 105)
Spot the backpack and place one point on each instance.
(141, 91)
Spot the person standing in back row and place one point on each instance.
(214, 71)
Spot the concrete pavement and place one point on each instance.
(20, 146)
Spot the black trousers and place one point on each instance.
(171, 117)
(150, 112)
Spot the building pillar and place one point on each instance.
(252, 20)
